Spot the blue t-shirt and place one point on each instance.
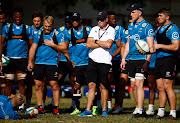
(16, 48)
(80, 51)
(47, 55)
(118, 36)
(137, 31)
(63, 30)
(34, 31)
(124, 40)
(173, 34)
(7, 111)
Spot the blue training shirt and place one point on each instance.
(124, 40)
(140, 30)
(80, 51)
(173, 34)
(16, 48)
(7, 111)
(45, 54)
(34, 31)
(119, 31)
(63, 30)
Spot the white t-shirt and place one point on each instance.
(102, 55)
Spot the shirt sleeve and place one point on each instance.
(91, 34)
(173, 34)
(28, 32)
(4, 33)
(60, 37)
(149, 31)
(36, 39)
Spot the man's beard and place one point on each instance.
(47, 32)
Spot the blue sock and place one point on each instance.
(99, 104)
(73, 104)
(52, 101)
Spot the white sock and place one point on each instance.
(21, 106)
(173, 113)
(43, 103)
(151, 107)
(109, 104)
(161, 112)
(139, 111)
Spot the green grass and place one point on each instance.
(129, 105)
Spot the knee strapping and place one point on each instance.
(139, 76)
(9, 76)
(21, 76)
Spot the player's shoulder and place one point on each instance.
(118, 27)
(88, 28)
(62, 29)
(173, 27)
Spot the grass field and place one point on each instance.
(129, 105)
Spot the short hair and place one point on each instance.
(37, 14)
(166, 11)
(19, 99)
(111, 13)
(17, 10)
(49, 19)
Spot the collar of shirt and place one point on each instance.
(165, 26)
(136, 24)
(104, 28)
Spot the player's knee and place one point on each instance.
(92, 86)
(133, 85)
(9, 76)
(103, 86)
(160, 88)
(76, 85)
(21, 76)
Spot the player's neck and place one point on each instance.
(140, 19)
(167, 22)
(104, 26)
(78, 27)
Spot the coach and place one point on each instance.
(99, 41)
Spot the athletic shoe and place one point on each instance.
(76, 111)
(86, 113)
(118, 110)
(40, 110)
(56, 112)
(149, 112)
(135, 112)
(170, 117)
(156, 117)
(95, 110)
(105, 113)
(137, 115)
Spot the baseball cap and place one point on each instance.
(75, 16)
(102, 15)
(136, 6)
(67, 18)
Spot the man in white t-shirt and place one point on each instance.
(99, 41)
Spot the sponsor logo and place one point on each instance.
(6, 117)
(126, 32)
(175, 35)
(62, 28)
(87, 28)
(117, 27)
(144, 24)
(151, 32)
(135, 37)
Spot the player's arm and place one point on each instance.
(60, 47)
(150, 41)
(66, 53)
(28, 115)
(32, 52)
(105, 44)
(117, 52)
(126, 52)
(91, 43)
(172, 47)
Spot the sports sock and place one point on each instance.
(28, 103)
(21, 106)
(109, 104)
(73, 104)
(173, 113)
(161, 111)
(43, 103)
(151, 107)
(139, 111)
(52, 101)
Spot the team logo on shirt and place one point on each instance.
(6, 117)
(62, 28)
(151, 32)
(175, 35)
(126, 32)
(69, 31)
(144, 24)
(117, 27)
(26, 26)
(135, 37)
(8, 25)
(87, 28)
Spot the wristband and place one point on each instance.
(95, 41)
(123, 59)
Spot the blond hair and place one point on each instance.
(49, 19)
(19, 99)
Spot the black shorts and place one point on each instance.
(126, 69)
(41, 71)
(97, 72)
(17, 65)
(151, 71)
(165, 67)
(4, 71)
(135, 66)
(65, 68)
(80, 74)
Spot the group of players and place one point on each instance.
(43, 54)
